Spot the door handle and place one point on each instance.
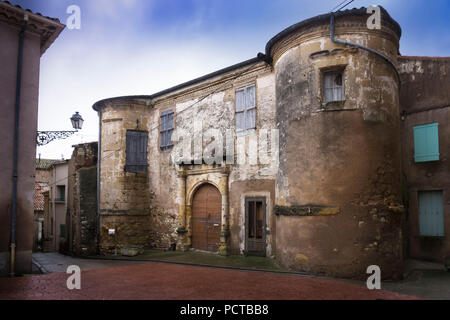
(216, 224)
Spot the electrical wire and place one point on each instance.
(335, 7)
(207, 95)
(341, 5)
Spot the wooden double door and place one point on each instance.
(206, 218)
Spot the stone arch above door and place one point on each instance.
(195, 187)
(191, 178)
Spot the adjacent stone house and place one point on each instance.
(306, 142)
(425, 127)
(82, 216)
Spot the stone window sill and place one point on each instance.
(334, 105)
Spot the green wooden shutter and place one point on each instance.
(431, 213)
(426, 142)
(62, 231)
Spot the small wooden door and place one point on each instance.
(206, 218)
(431, 213)
(255, 225)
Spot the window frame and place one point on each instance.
(329, 72)
(246, 110)
(60, 196)
(136, 167)
(163, 130)
(63, 231)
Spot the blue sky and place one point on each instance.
(127, 47)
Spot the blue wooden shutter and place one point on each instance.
(167, 128)
(431, 213)
(131, 150)
(240, 110)
(250, 116)
(246, 108)
(142, 152)
(426, 142)
(136, 153)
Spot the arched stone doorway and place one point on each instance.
(206, 218)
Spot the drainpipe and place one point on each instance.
(16, 145)
(99, 165)
(346, 43)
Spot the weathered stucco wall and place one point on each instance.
(144, 208)
(38, 36)
(425, 98)
(9, 35)
(344, 156)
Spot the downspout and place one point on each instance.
(99, 165)
(346, 43)
(16, 145)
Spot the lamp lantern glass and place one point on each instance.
(77, 121)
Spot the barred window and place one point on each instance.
(166, 129)
(136, 151)
(246, 109)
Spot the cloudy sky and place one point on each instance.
(127, 47)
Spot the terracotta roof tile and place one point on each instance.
(45, 164)
(39, 189)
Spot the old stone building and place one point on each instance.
(425, 124)
(311, 170)
(82, 200)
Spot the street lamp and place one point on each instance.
(45, 137)
(77, 121)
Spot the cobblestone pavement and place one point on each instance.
(162, 281)
(426, 284)
(55, 262)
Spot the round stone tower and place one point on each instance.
(338, 190)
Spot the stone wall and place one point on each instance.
(425, 98)
(128, 201)
(343, 155)
(334, 196)
(82, 200)
(145, 208)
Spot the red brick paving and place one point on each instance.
(158, 281)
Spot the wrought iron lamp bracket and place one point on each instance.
(45, 137)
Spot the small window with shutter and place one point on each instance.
(136, 151)
(333, 86)
(426, 142)
(246, 109)
(166, 129)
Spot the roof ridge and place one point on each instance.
(30, 11)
